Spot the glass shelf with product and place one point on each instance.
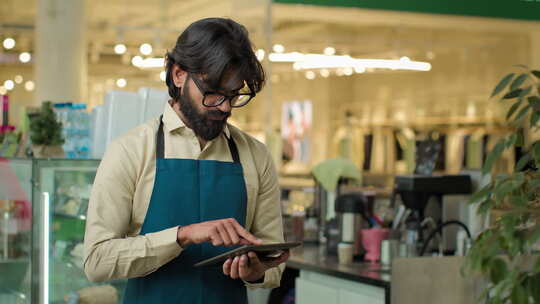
(15, 230)
(60, 190)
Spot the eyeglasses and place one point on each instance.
(214, 99)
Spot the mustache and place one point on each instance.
(218, 114)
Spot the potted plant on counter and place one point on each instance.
(46, 133)
(506, 252)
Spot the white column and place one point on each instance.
(61, 55)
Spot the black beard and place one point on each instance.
(200, 123)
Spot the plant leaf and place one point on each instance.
(536, 152)
(535, 236)
(498, 270)
(485, 206)
(480, 195)
(513, 94)
(519, 295)
(534, 183)
(513, 109)
(534, 118)
(534, 101)
(523, 161)
(518, 200)
(534, 282)
(506, 188)
(493, 156)
(536, 73)
(518, 81)
(520, 139)
(502, 84)
(511, 141)
(522, 113)
(525, 91)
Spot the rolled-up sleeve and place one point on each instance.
(109, 253)
(267, 220)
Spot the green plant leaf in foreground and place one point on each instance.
(522, 113)
(523, 161)
(494, 155)
(513, 109)
(535, 236)
(535, 117)
(511, 141)
(519, 295)
(518, 81)
(536, 152)
(534, 101)
(502, 84)
(498, 270)
(525, 91)
(513, 94)
(485, 206)
(533, 286)
(480, 195)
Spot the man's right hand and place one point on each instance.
(226, 232)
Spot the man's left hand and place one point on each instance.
(249, 268)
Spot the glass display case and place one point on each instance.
(46, 260)
(15, 230)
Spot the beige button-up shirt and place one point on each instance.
(114, 249)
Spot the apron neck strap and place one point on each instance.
(233, 149)
(160, 141)
(160, 144)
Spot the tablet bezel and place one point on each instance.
(247, 248)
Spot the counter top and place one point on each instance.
(314, 258)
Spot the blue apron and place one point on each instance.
(188, 191)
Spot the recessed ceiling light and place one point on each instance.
(121, 82)
(9, 84)
(310, 75)
(145, 49)
(120, 48)
(329, 51)
(25, 57)
(29, 85)
(325, 73)
(278, 48)
(9, 43)
(137, 60)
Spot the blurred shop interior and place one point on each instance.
(363, 103)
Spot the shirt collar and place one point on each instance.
(172, 122)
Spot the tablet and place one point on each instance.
(266, 251)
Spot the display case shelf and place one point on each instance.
(49, 267)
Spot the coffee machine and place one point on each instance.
(416, 190)
(350, 217)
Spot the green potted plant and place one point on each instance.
(46, 133)
(506, 252)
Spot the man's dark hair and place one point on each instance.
(211, 47)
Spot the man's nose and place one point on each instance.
(225, 106)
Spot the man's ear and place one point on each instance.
(178, 75)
